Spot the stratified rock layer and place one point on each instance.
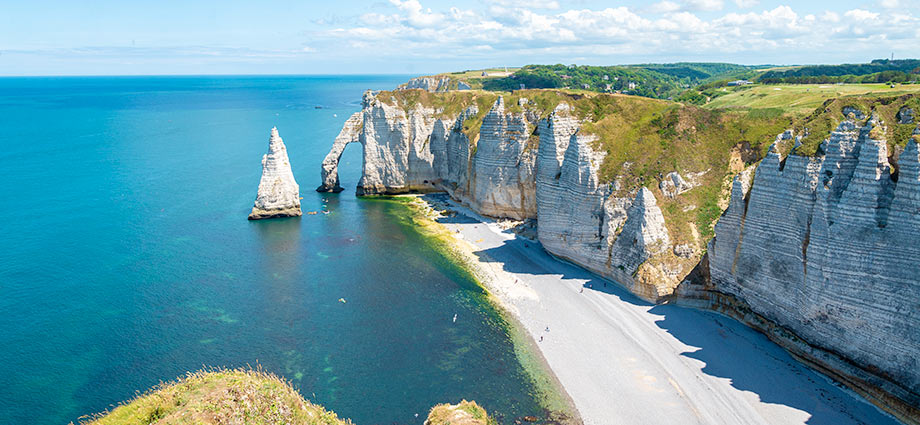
(279, 195)
(519, 166)
(433, 84)
(821, 254)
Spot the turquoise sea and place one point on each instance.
(126, 258)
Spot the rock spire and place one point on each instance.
(279, 194)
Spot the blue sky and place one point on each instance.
(43, 37)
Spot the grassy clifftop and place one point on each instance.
(221, 397)
(645, 139)
(251, 397)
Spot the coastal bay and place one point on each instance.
(129, 260)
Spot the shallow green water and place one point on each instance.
(126, 257)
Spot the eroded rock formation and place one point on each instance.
(821, 254)
(519, 166)
(434, 84)
(279, 195)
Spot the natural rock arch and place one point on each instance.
(329, 173)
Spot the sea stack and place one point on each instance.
(279, 194)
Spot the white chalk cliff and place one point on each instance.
(820, 253)
(824, 251)
(518, 167)
(279, 195)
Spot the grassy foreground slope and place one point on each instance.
(249, 397)
(221, 397)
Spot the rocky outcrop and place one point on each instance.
(820, 253)
(330, 168)
(518, 166)
(817, 252)
(674, 184)
(279, 194)
(433, 84)
(905, 115)
(502, 172)
(581, 220)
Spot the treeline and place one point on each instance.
(878, 77)
(649, 80)
(876, 71)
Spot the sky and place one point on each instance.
(142, 37)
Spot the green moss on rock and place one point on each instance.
(221, 397)
(463, 413)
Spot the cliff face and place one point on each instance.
(518, 166)
(581, 220)
(819, 252)
(826, 248)
(279, 194)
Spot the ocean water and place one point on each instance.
(126, 258)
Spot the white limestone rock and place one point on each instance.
(502, 182)
(905, 115)
(431, 84)
(279, 194)
(519, 167)
(329, 173)
(674, 184)
(826, 248)
(821, 251)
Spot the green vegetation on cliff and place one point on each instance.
(463, 413)
(251, 397)
(658, 81)
(877, 71)
(221, 397)
(645, 139)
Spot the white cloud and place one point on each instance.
(889, 4)
(705, 5)
(860, 15)
(746, 4)
(416, 16)
(665, 7)
(529, 4)
(504, 29)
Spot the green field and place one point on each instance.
(801, 99)
(477, 73)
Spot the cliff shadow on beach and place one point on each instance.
(727, 349)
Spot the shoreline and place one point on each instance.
(621, 359)
(559, 405)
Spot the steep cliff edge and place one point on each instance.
(821, 254)
(815, 245)
(521, 158)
